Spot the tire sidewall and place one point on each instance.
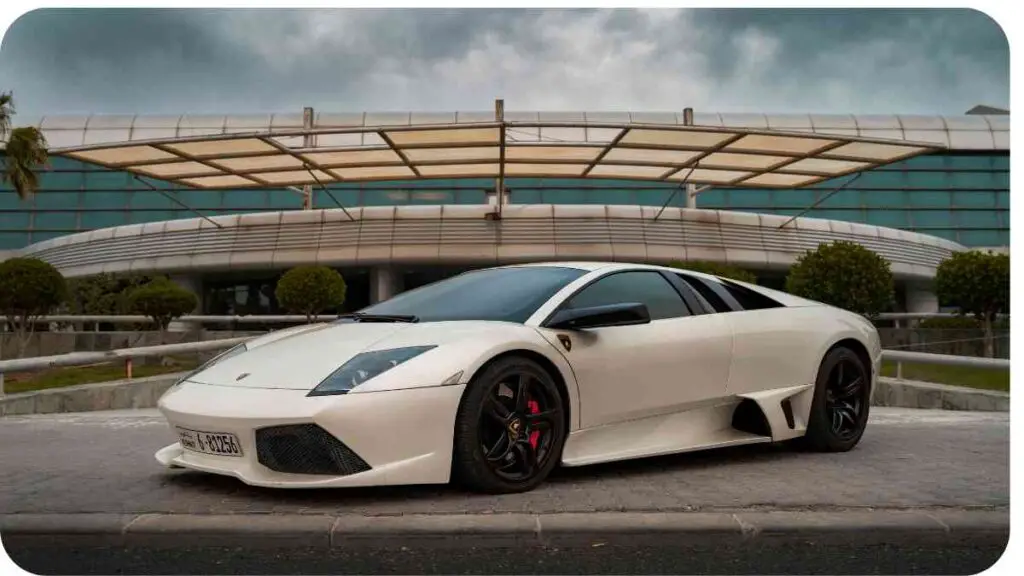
(469, 462)
(819, 428)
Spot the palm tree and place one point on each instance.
(24, 152)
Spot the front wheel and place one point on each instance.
(510, 428)
(842, 399)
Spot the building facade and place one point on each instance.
(230, 245)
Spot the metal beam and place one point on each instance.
(611, 145)
(674, 191)
(408, 164)
(340, 205)
(176, 200)
(822, 199)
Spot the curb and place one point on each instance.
(915, 394)
(146, 392)
(462, 530)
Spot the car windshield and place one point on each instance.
(505, 294)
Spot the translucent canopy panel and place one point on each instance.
(716, 155)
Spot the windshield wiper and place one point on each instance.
(364, 317)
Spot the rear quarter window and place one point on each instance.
(749, 299)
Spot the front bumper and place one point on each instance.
(399, 437)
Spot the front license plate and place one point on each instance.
(215, 443)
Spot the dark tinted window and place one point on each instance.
(648, 288)
(707, 292)
(504, 294)
(749, 299)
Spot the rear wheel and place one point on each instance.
(839, 411)
(510, 428)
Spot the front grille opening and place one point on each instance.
(306, 449)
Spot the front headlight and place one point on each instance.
(233, 351)
(363, 367)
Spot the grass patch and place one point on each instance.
(954, 375)
(75, 375)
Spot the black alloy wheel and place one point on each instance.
(844, 395)
(510, 428)
(841, 405)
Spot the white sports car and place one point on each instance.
(494, 377)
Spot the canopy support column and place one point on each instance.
(691, 188)
(500, 196)
(307, 142)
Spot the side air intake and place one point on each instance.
(749, 418)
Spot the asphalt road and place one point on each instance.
(103, 462)
(761, 557)
(927, 461)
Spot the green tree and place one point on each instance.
(29, 288)
(162, 301)
(977, 283)
(845, 275)
(103, 295)
(24, 151)
(717, 269)
(310, 290)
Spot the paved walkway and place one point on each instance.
(103, 462)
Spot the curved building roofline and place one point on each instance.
(957, 132)
(446, 234)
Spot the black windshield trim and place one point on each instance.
(364, 317)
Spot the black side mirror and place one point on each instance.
(626, 314)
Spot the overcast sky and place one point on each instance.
(770, 60)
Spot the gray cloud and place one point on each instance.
(263, 60)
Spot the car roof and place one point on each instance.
(591, 266)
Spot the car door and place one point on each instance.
(771, 342)
(630, 372)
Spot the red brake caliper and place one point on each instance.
(535, 435)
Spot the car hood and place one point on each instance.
(299, 359)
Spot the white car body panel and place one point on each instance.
(631, 372)
(668, 386)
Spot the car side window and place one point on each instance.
(749, 299)
(648, 288)
(709, 294)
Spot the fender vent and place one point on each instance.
(306, 449)
(749, 418)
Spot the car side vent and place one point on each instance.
(787, 410)
(306, 449)
(749, 418)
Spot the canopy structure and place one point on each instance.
(714, 156)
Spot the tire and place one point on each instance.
(482, 427)
(829, 395)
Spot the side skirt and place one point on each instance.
(701, 428)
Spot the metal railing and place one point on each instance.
(127, 355)
(945, 360)
(290, 318)
(123, 355)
